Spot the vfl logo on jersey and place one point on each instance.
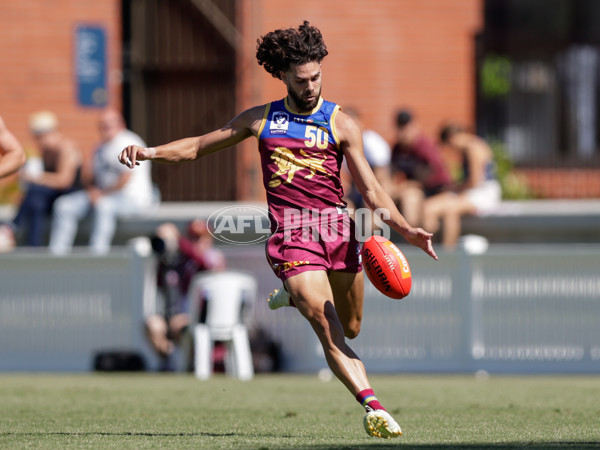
(279, 123)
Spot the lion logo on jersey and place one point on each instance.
(288, 164)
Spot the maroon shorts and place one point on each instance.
(331, 246)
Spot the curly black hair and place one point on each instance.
(278, 49)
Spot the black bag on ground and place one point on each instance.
(119, 361)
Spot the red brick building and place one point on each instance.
(37, 54)
(164, 58)
(383, 55)
(37, 66)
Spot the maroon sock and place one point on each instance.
(368, 400)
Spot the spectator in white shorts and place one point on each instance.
(110, 190)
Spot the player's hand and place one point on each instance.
(133, 154)
(422, 239)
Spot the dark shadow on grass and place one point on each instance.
(373, 443)
(99, 433)
(484, 446)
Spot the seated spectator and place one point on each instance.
(418, 169)
(57, 174)
(110, 190)
(378, 154)
(478, 191)
(179, 259)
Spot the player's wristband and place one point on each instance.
(152, 152)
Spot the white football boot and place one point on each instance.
(279, 298)
(379, 423)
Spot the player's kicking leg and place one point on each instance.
(315, 299)
(348, 291)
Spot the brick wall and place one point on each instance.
(563, 183)
(383, 55)
(37, 70)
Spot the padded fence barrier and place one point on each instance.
(515, 308)
(57, 312)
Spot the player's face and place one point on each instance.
(303, 82)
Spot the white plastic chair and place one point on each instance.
(225, 293)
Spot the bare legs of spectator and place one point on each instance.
(446, 209)
(410, 196)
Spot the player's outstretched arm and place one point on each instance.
(12, 156)
(374, 195)
(188, 149)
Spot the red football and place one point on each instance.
(386, 266)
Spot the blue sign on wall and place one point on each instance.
(90, 66)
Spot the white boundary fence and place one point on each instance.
(57, 312)
(515, 308)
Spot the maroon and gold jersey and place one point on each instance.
(301, 159)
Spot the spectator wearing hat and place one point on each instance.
(110, 190)
(180, 257)
(418, 169)
(45, 178)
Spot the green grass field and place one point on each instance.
(294, 411)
